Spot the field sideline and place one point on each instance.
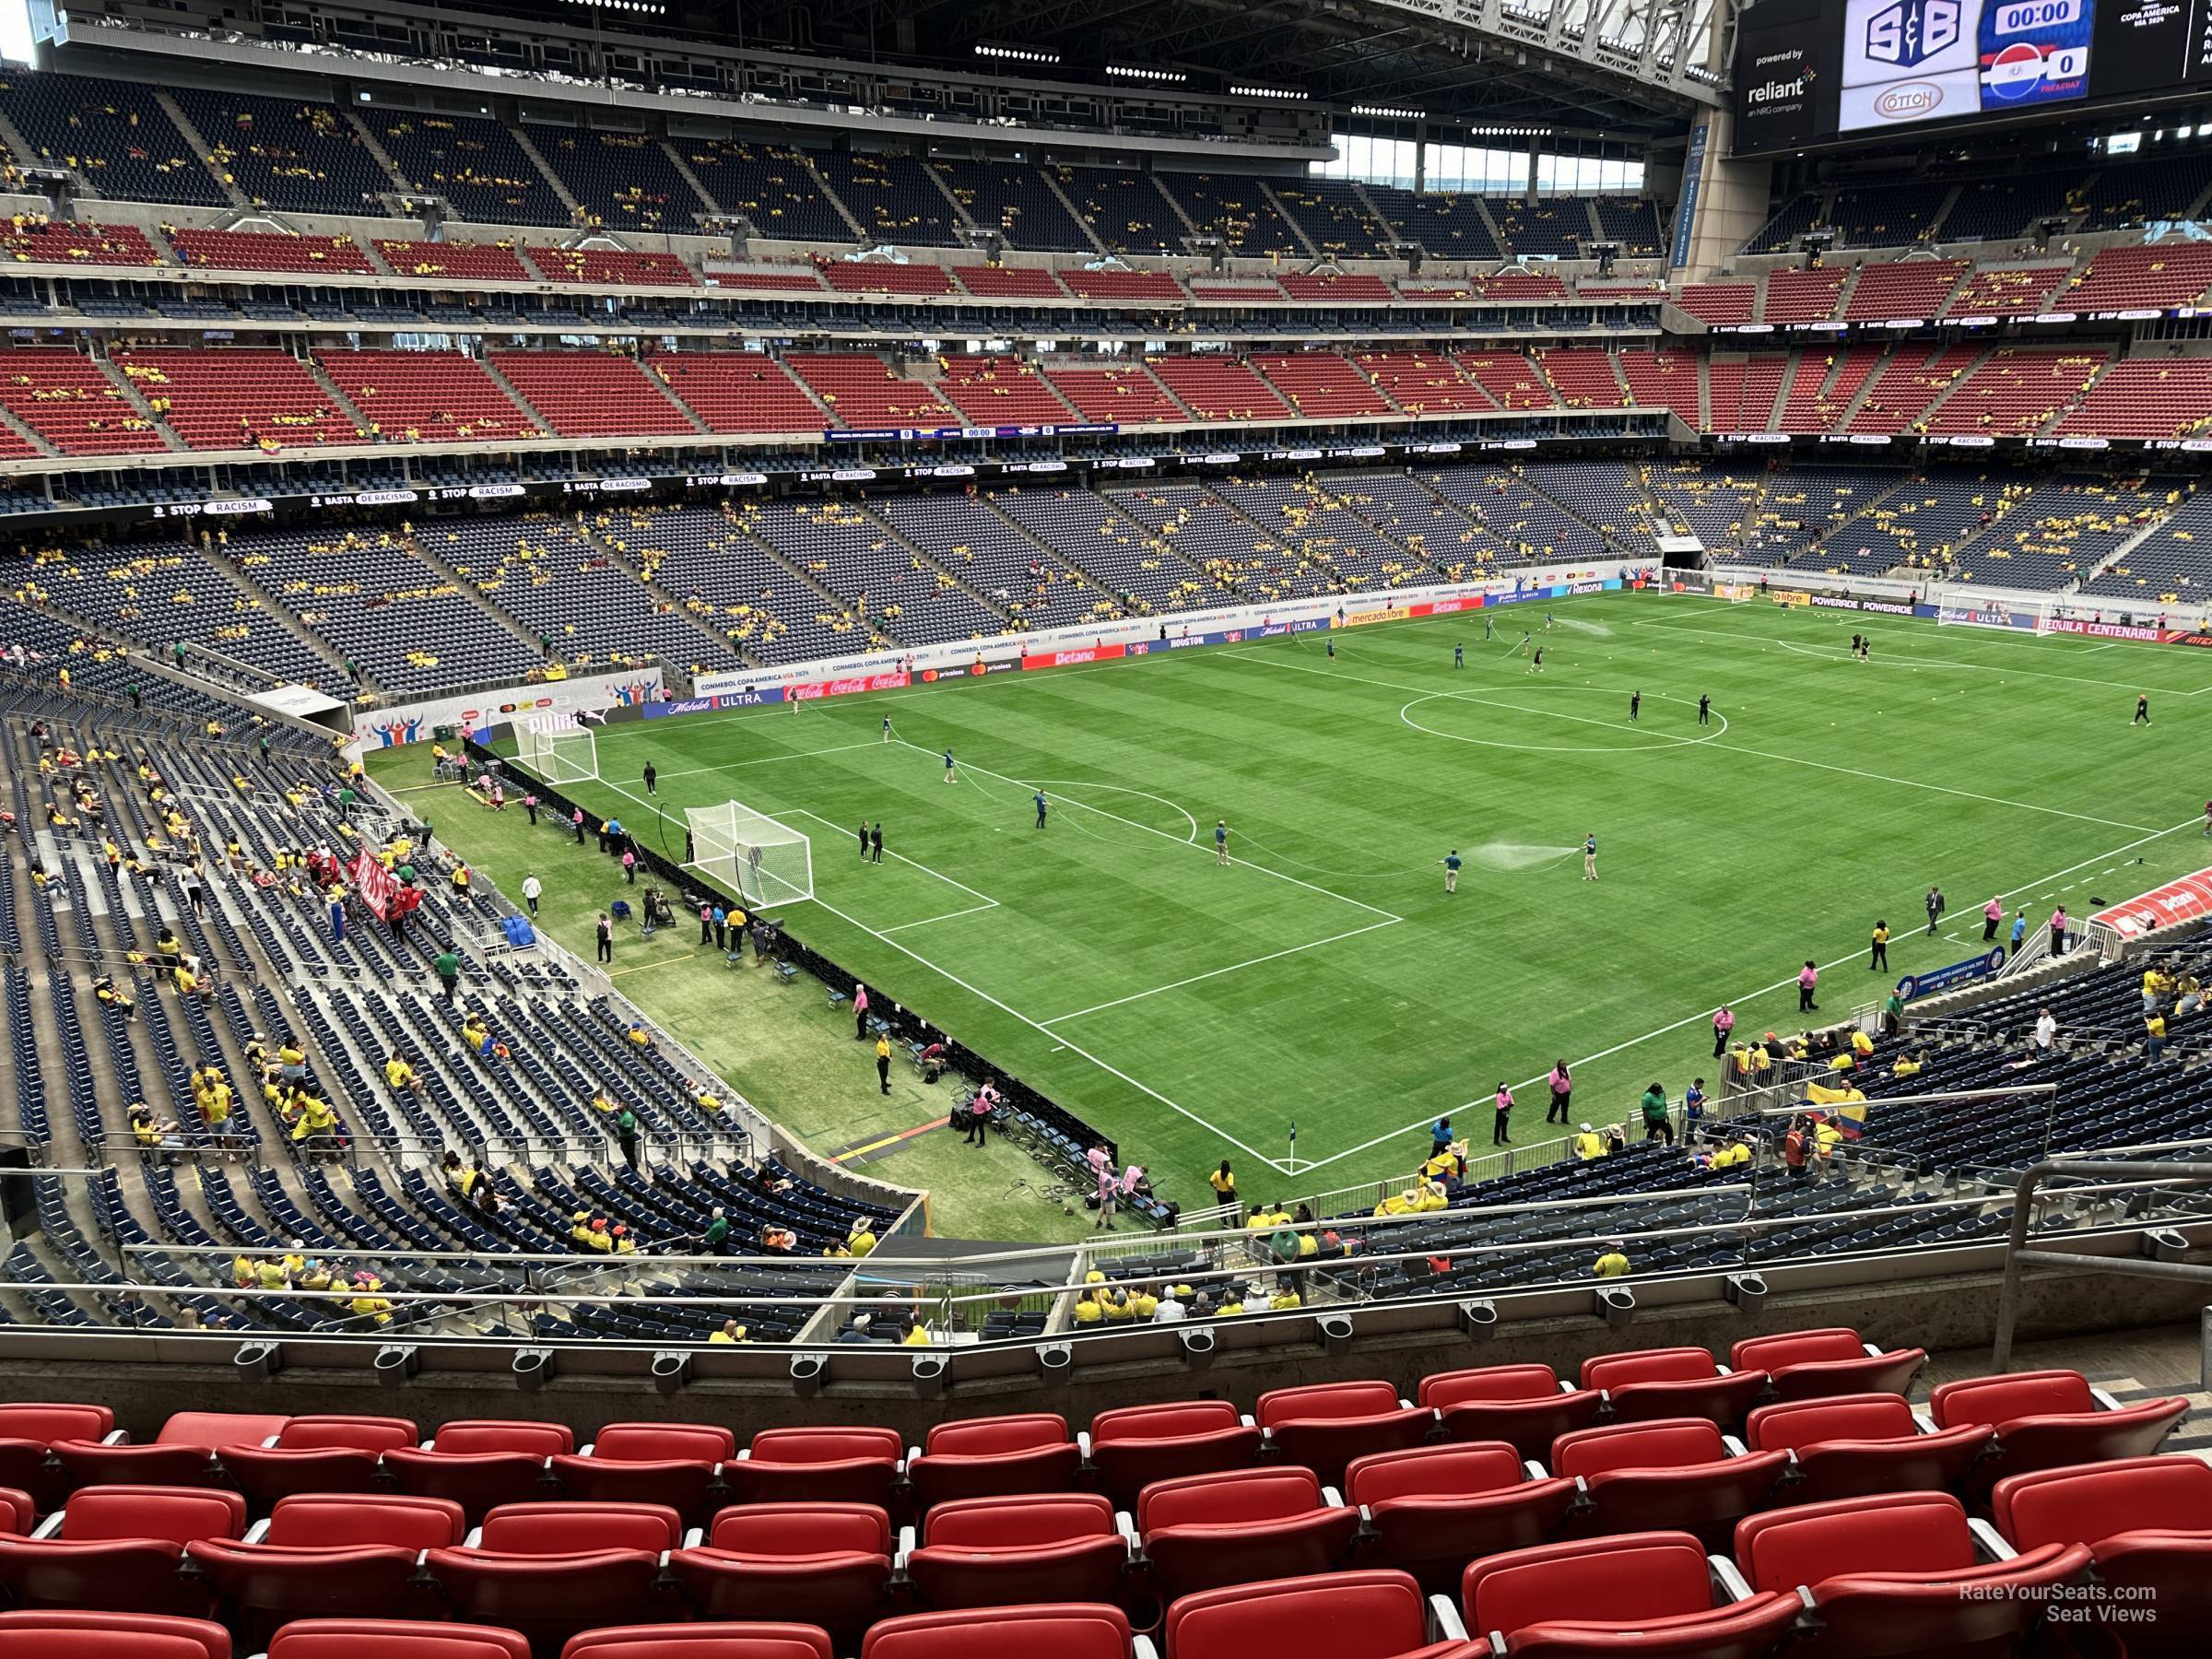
(1325, 979)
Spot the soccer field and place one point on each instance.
(1324, 978)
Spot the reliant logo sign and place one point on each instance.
(1774, 90)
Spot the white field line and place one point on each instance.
(1217, 973)
(1704, 1012)
(691, 771)
(1715, 743)
(971, 910)
(1172, 840)
(910, 862)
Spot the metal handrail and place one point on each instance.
(2017, 1255)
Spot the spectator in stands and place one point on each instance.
(399, 1076)
(1169, 1308)
(1612, 1261)
(2154, 1038)
(104, 989)
(1588, 1146)
(626, 1136)
(2046, 1033)
(448, 971)
(729, 1331)
(1658, 1122)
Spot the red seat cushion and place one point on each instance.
(766, 1640)
(59, 1634)
(394, 1639)
(562, 1528)
(1071, 1631)
(536, 1439)
(1365, 1615)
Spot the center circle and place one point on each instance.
(1656, 741)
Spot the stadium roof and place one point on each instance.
(1633, 67)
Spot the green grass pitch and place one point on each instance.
(1324, 978)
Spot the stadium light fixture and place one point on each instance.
(1388, 112)
(1174, 77)
(649, 8)
(1290, 93)
(1017, 54)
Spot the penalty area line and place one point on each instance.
(1216, 972)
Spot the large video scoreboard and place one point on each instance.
(1810, 72)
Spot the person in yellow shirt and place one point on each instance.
(1861, 1045)
(730, 1331)
(604, 1103)
(1142, 1304)
(1732, 1155)
(917, 1334)
(215, 1105)
(316, 1120)
(270, 1274)
(861, 1241)
(1612, 1262)
(1285, 1299)
(1116, 1307)
(1588, 1144)
(1429, 1195)
(1908, 1066)
(366, 1303)
(1088, 1311)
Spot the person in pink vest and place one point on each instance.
(1808, 977)
(1992, 915)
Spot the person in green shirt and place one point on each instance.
(1893, 1014)
(718, 1234)
(449, 972)
(1658, 1124)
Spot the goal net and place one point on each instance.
(566, 753)
(749, 853)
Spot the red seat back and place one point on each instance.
(664, 1443)
(562, 1528)
(60, 1634)
(1077, 1630)
(802, 1529)
(1019, 1431)
(1019, 1522)
(1997, 1400)
(394, 1639)
(1796, 1347)
(1795, 1423)
(364, 1433)
(1226, 1500)
(174, 1514)
(1371, 1398)
(1448, 1471)
(826, 1445)
(2091, 1502)
(219, 1428)
(1135, 1446)
(1649, 1365)
(18, 1512)
(779, 1641)
(533, 1439)
(1626, 1580)
(1169, 1421)
(45, 1424)
(1670, 1443)
(1488, 1382)
(1907, 1532)
(478, 1481)
(322, 1521)
(1367, 1614)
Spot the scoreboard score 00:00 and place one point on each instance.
(2026, 15)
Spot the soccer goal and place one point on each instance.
(765, 861)
(558, 754)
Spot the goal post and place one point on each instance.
(763, 861)
(560, 754)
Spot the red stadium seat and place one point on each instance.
(18, 1512)
(394, 1639)
(2046, 1419)
(649, 1463)
(992, 1458)
(316, 1454)
(55, 1634)
(1851, 1445)
(334, 1556)
(1204, 1531)
(26, 1433)
(1669, 1475)
(1521, 1404)
(1432, 1510)
(1672, 1383)
(1137, 1445)
(481, 1464)
(550, 1570)
(765, 1640)
(118, 1550)
(1804, 1365)
(2147, 1522)
(816, 1465)
(1326, 1426)
(1071, 1631)
(181, 1455)
(985, 1552)
(1647, 1594)
(1370, 1615)
(1898, 1575)
(824, 1564)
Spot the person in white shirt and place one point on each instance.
(1169, 1311)
(531, 888)
(2046, 1027)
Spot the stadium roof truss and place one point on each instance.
(1638, 65)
